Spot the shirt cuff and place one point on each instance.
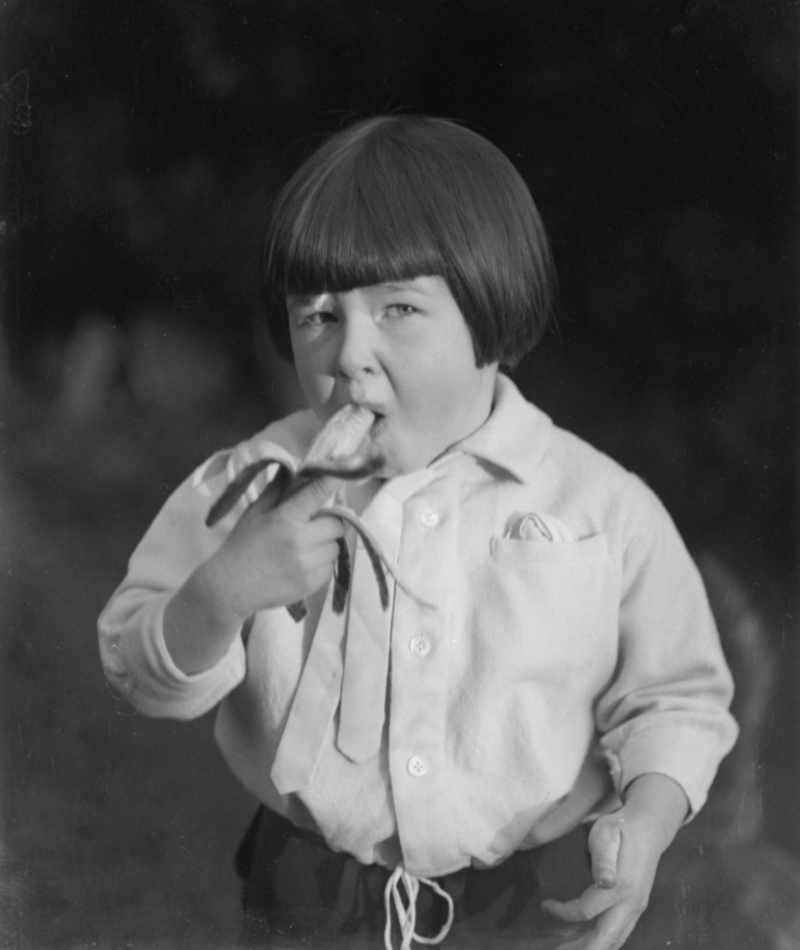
(685, 755)
(145, 673)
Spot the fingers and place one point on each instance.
(593, 902)
(309, 498)
(320, 575)
(321, 530)
(604, 843)
(624, 857)
(605, 839)
(610, 932)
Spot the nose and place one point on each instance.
(356, 356)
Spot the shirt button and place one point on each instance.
(417, 766)
(420, 646)
(429, 518)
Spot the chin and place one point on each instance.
(391, 468)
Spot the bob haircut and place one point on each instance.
(393, 198)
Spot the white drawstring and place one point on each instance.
(408, 916)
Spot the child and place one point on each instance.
(549, 661)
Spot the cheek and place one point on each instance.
(318, 390)
(313, 381)
(451, 370)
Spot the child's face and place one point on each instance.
(404, 351)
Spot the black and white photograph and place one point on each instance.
(399, 475)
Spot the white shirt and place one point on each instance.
(567, 648)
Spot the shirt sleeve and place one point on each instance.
(667, 708)
(134, 655)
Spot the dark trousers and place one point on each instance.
(297, 892)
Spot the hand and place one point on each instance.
(625, 849)
(272, 557)
(277, 555)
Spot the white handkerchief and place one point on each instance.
(535, 527)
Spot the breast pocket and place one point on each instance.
(549, 610)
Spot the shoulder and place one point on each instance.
(599, 490)
(572, 479)
(531, 444)
(587, 468)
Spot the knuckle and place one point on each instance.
(605, 827)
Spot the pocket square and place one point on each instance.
(535, 527)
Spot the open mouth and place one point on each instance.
(377, 424)
(346, 444)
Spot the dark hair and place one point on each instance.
(398, 197)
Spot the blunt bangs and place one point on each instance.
(394, 198)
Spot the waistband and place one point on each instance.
(295, 886)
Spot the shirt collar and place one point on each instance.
(514, 437)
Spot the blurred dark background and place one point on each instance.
(140, 144)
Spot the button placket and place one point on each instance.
(416, 739)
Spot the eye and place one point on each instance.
(315, 318)
(400, 310)
(322, 316)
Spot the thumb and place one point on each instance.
(310, 496)
(604, 843)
